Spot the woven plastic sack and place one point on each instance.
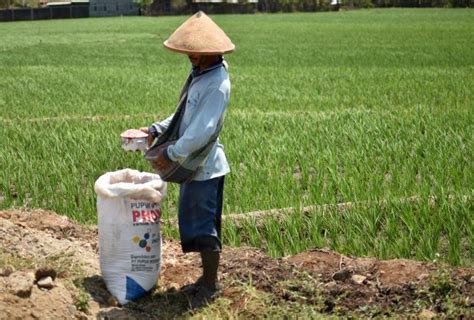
(129, 210)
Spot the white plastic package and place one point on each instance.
(134, 140)
(129, 210)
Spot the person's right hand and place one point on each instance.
(150, 138)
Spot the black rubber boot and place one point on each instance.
(211, 275)
(210, 264)
(209, 288)
(192, 288)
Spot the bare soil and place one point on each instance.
(323, 280)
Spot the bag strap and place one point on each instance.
(172, 132)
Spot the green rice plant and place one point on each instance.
(367, 105)
(389, 229)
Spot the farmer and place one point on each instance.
(208, 93)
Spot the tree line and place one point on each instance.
(324, 5)
(163, 7)
(154, 7)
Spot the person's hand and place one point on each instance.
(162, 161)
(150, 138)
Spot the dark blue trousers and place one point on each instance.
(200, 215)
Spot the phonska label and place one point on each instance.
(145, 213)
(147, 260)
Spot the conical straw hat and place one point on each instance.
(199, 34)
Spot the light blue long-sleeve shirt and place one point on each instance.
(208, 96)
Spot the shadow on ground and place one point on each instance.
(169, 304)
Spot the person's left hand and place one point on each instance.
(161, 161)
(150, 138)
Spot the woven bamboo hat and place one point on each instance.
(199, 34)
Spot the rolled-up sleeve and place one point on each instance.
(161, 126)
(202, 126)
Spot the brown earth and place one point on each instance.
(331, 283)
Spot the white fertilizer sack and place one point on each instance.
(129, 210)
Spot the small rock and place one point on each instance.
(5, 215)
(45, 272)
(35, 314)
(20, 283)
(426, 314)
(112, 301)
(330, 284)
(358, 279)
(6, 270)
(341, 275)
(46, 282)
(471, 279)
(72, 309)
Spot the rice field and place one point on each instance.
(368, 106)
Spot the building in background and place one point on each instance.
(109, 8)
(99, 8)
(224, 6)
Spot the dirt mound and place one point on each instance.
(320, 281)
(41, 236)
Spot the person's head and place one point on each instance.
(202, 61)
(201, 39)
